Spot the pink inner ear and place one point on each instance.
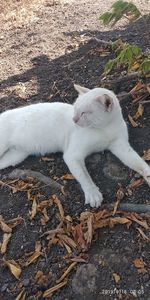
(108, 103)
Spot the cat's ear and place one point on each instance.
(107, 101)
(81, 89)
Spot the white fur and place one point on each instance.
(92, 124)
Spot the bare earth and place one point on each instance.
(45, 48)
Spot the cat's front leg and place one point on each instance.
(77, 167)
(123, 150)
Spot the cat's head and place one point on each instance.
(94, 108)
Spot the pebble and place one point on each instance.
(84, 281)
(25, 282)
(4, 287)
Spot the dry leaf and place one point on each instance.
(145, 237)
(67, 240)
(21, 296)
(38, 246)
(5, 227)
(118, 220)
(44, 158)
(139, 112)
(45, 217)
(136, 183)
(41, 278)
(116, 204)
(140, 265)
(14, 268)
(79, 236)
(146, 154)
(68, 270)
(135, 66)
(49, 292)
(134, 124)
(116, 277)
(134, 217)
(33, 257)
(6, 239)
(67, 247)
(67, 177)
(33, 209)
(79, 259)
(137, 87)
(89, 233)
(60, 207)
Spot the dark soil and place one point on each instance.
(40, 63)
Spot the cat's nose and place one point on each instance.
(76, 119)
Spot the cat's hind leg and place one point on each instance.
(12, 157)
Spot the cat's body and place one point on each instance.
(94, 123)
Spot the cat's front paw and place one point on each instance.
(93, 197)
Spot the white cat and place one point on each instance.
(92, 124)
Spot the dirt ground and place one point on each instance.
(43, 52)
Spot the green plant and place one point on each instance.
(121, 9)
(127, 55)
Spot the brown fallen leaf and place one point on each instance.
(116, 277)
(60, 207)
(33, 257)
(136, 183)
(137, 87)
(33, 209)
(14, 222)
(21, 295)
(5, 227)
(68, 270)
(14, 268)
(134, 124)
(146, 155)
(41, 278)
(145, 237)
(140, 265)
(6, 239)
(56, 287)
(44, 158)
(67, 177)
(89, 234)
(139, 112)
(78, 235)
(134, 217)
(45, 217)
(69, 241)
(79, 259)
(69, 250)
(119, 220)
(38, 246)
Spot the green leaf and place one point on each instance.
(145, 66)
(109, 66)
(119, 9)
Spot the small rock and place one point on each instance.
(84, 281)
(25, 282)
(114, 171)
(4, 287)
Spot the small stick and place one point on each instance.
(23, 174)
(130, 207)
